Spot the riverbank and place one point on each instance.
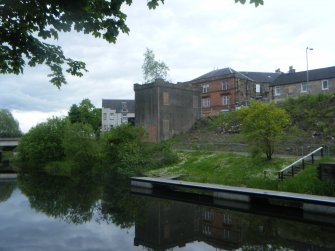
(245, 171)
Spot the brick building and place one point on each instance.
(226, 89)
(293, 84)
(165, 109)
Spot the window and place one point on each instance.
(105, 116)
(258, 88)
(165, 98)
(277, 90)
(124, 120)
(111, 116)
(303, 87)
(225, 85)
(195, 102)
(325, 85)
(166, 126)
(226, 234)
(225, 100)
(206, 230)
(124, 107)
(208, 215)
(205, 102)
(227, 219)
(205, 88)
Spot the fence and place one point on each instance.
(299, 165)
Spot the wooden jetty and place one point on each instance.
(308, 203)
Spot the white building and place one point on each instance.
(116, 112)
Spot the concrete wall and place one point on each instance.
(165, 109)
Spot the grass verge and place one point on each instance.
(244, 171)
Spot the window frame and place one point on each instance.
(225, 100)
(225, 85)
(322, 86)
(277, 90)
(303, 87)
(205, 104)
(205, 88)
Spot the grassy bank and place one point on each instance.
(245, 171)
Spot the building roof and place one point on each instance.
(116, 104)
(259, 77)
(299, 77)
(262, 77)
(216, 73)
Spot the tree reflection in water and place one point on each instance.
(6, 190)
(162, 224)
(72, 199)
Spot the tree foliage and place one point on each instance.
(263, 125)
(85, 113)
(42, 144)
(26, 25)
(153, 69)
(9, 127)
(256, 2)
(80, 145)
(313, 113)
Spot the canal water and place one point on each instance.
(55, 213)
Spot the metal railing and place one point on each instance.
(290, 169)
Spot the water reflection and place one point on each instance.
(101, 209)
(72, 199)
(166, 225)
(6, 189)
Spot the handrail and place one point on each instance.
(280, 173)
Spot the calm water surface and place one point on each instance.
(57, 213)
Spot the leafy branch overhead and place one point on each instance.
(256, 2)
(26, 25)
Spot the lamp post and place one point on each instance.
(307, 49)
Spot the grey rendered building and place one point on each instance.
(165, 109)
(116, 112)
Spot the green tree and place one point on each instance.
(80, 145)
(9, 127)
(263, 125)
(153, 69)
(41, 145)
(122, 148)
(25, 25)
(86, 113)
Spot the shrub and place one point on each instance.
(42, 144)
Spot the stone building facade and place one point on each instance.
(226, 89)
(165, 109)
(294, 84)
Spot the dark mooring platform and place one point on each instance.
(313, 203)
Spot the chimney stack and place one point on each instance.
(291, 70)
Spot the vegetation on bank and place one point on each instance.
(60, 147)
(65, 146)
(245, 171)
(72, 144)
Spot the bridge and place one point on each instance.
(8, 144)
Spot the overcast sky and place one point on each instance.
(192, 37)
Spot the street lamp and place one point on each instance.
(307, 49)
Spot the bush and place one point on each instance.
(80, 145)
(42, 144)
(125, 152)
